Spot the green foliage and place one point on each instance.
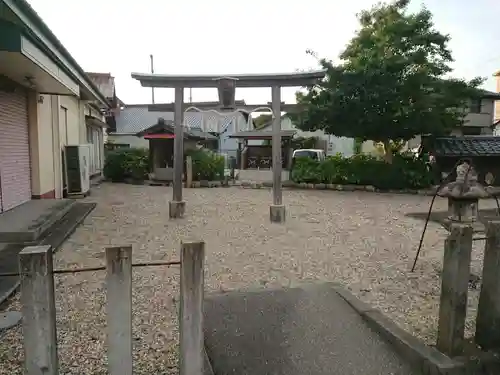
(125, 163)
(262, 120)
(390, 84)
(207, 165)
(358, 146)
(405, 172)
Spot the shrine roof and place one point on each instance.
(464, 146)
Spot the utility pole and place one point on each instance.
(152, 72)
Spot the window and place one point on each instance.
(471, 130)
(475, 106)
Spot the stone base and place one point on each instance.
(277, 213)
(176, 209)
(9, 319)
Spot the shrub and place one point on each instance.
(125, 163)
(207, 165)
(405, 172)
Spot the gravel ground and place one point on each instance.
(363, 240)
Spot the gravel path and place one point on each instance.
(363, 240)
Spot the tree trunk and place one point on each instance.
(387, 152)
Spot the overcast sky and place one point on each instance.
(236, 36)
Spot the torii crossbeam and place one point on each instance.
(226, 85)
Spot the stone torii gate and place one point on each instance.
(226, 85)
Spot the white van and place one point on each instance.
(315, 154)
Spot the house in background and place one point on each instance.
(479, 119)
(96, 137)
(330, 143)
(132, 120)
(45, 97)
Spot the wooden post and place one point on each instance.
(454, 288)
(191, 308)
(119, 309)
(189, 171)
(488, 314)
(39, 310)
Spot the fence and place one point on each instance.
(39, 310)
(454, 289)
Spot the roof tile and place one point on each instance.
(465, 146)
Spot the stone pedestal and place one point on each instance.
(463, 198)
(277, 213)
(176, 209)
(463, 210)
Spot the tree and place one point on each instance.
(262, 120)
(390, 83)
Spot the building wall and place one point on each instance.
(49, 134)
(43, 183)
(74, 130)
(497, 103)
(483, 119)
(131, 140)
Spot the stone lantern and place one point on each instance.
(227, 89)
(463, 195)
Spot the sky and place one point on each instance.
(236, 36)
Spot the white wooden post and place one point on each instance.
(119, 309)
(191, 308)
(39, 310)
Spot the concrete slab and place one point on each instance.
(307, 330)
(26, 223)
(53, 236)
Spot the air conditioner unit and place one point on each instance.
(78, 169)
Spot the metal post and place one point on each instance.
(454, 288)
(119, 309)
(39, 310)
(191, 308)
(277, 209)
(177, 205)
(152, 72)
(488, 312)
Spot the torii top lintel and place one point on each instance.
(240, 80)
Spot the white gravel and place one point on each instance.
(363, 240)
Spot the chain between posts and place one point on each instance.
(64, 271)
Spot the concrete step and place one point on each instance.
(54, 236)
(294, 331)
(28, 222)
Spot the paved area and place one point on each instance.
(306, 330)
(363, 240)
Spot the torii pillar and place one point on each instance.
(277, 212)
(177, 206)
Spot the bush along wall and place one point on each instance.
(207, 165)
(405, 172)
(127, 163)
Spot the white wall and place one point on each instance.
(131, 140)
(483, 119)
(342, 145)
(72, 133)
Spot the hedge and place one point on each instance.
(406, 172)
(127, 163)
(207, 165)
